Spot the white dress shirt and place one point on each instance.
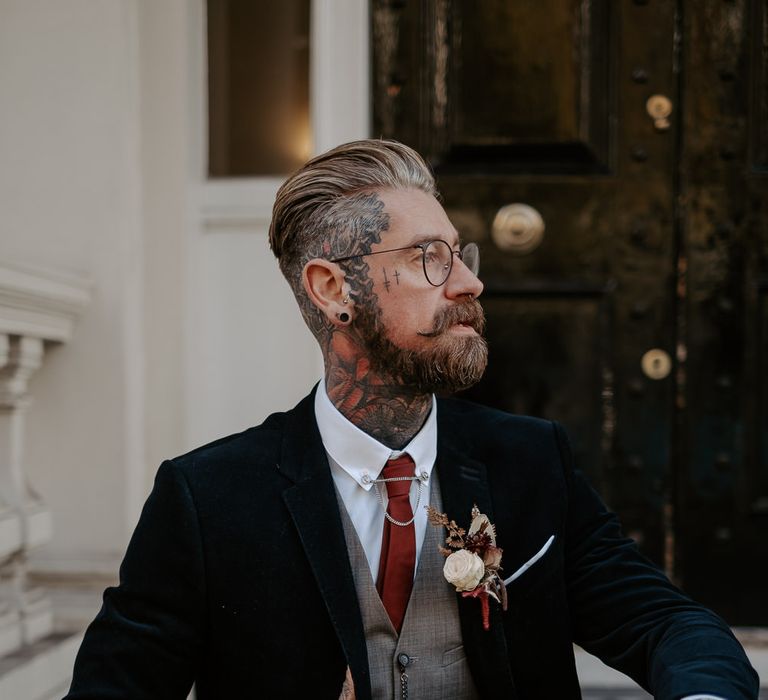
(356, 459)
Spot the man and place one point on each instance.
(276, 562)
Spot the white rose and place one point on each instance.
(464, 570)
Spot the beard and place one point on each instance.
(450, 363)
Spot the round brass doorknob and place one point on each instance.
(656, 364)
(659, 108)
(517, 228)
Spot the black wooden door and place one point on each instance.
(722, 479)
(556, 131)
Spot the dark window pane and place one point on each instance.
(258, 86)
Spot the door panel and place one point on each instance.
(723, 477)
(654, 238)
(517, 103)
(468, 70)
(551, 342)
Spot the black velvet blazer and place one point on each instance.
(237, 577)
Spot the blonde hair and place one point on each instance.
(318, 201)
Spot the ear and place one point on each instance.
(324, 284)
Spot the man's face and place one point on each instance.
(424, 336)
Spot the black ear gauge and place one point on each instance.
(343, 317)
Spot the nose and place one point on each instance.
(462, 282)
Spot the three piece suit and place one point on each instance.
(238, 577)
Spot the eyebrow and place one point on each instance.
(427, 238)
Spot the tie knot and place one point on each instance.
(399, 467)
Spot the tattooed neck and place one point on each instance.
(381, 406)
(385, 407)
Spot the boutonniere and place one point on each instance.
(473, 560)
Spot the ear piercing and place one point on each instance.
(344, 316)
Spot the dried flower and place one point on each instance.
(474, 564)
(464, 570)
(492, 558)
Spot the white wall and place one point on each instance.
(192, 332)
(249, 351)
(71, 199)
(164, 78)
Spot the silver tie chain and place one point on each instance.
(376, 483)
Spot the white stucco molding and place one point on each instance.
(39, 302)
(245, 203)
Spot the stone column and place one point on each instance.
(36, 307)
(26, 608)
(10, 541)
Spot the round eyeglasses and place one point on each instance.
(436, 259)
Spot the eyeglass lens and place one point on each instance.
(438, 260)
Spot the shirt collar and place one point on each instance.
(360, 455)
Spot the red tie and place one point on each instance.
(398, 543)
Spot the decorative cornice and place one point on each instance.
(40, 302)
(237, 204)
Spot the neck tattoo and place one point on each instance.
(381, 406)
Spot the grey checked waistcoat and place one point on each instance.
(430, 641)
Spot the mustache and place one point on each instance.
(469, 313)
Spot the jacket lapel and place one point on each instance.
(464, 483)
(312, 504)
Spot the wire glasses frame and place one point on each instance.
(436, 259)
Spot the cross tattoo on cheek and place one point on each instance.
(397, 278)
(387, 283)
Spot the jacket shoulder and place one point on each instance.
(535, 446)
(256, 444)
(477, 417)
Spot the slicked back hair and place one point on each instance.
(321, 200)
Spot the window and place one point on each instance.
(258, 87)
